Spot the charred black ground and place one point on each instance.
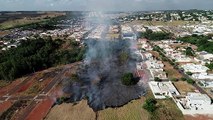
(100, 75)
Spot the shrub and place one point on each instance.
(157, 79)
(190, 81)
(150, 105)
(183, 79)
(128, 79)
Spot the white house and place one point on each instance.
(193, 68)
(197, 101)
(162, 90)
(203, 76)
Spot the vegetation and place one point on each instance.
(35, 55)
(150, 105)
(157, 79)
(190, 81)
(183, 79)
(210, 65)
(174, 79)
(128, 79)
(149, 34)
(189, 73)
(74, 77)
(7, 115)
(189, 51)
(61, 100)
(123, 57)
(202, 42)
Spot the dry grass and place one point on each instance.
(24, 21)
(198, 117)
(4, 83)
(167, 110)
(81, 111)
(183, 87)
(154, 53)
(2, 33)
(172, 73)
(131, 111)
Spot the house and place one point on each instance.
(203, 76)
(162, 90)
(197, 101)
(207, 83)
(205, 55)
(194, 68)
(194, 103)
(159, 73)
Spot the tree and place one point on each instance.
(128, 79)
(157, 79)
(183, 79)
(174, 79)
(150, 105)
(189, 51)
(190, 81)
(210, 65)
(189, 73)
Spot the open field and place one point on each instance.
(130, 111)
(183, 87)
(80, 111)
(198, 117)
(27, 20)
(167, 110)
(172, 73)
(154, 53)
(3, 33)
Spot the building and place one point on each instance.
(194, 103)
(197, 101)
(162, 90)
(193, 68)
(207, 83)
(203, 76)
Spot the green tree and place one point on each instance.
(189, 51)
(150, 105)
(190, 81)
(128, 79)
(157, 79)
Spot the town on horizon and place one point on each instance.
(111, 65)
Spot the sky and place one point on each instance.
(103, 5)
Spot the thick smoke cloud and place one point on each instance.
(100, 75)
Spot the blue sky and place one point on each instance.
(104, 5)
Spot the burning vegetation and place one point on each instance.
(100, 78)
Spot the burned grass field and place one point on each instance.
(99, 78)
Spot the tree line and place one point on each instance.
(149, 34)
(35, 55)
